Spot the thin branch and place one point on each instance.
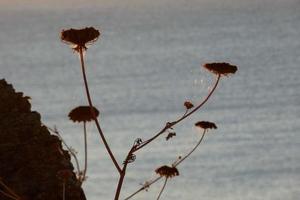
(68, 148)
(162, 189)
(171, 124)
(94, 115)
(175, 163)
(145, 186)
(64, 190)
(85, 152)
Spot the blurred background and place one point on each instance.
(146, 63)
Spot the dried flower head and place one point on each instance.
(206, 125)
(82, 114)
(64, 174)
(167, 171)
(221, 68)
(79, 38)
(188, 105)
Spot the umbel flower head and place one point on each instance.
(220, 68)
(79, 38)
(82, 114)
(206, 125)
(167, 171)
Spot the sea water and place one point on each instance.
(146, 63)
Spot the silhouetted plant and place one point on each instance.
(70, 150)
(83, 114)
(79, 39)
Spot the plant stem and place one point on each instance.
(195, 147)
(169, 125)
(94, 115)
(64, 190)
(68, 148)
(176, 163)
(120, 183)
(162, 189)
(85, 151)
(123, 173)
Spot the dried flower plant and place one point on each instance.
(79, 39)
(167, 172)
(220, 68)
(83, 114)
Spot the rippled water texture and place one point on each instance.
(146, 64)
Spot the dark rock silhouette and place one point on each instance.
(31, 159)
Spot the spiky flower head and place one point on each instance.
(79, 38)
(167, 171)
(206, 125)
(220, 68)
(82, 114)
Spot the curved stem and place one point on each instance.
(176, 163)
(68, 148)
(85, 151)
(187, 155)
(145, 186)
(169, 125)
(94, 115)
(64, 190)
(162, 189)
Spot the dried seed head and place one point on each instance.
(206, 125)
(220, 68)
(167, 171)
(82, 114)
(79, 38)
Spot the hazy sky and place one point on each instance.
(56, 4)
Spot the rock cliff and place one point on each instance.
(32, 161)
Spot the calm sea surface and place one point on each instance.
(145, 65)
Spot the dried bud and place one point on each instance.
(167, 171)
(220, 68)
(82, 114)
(170, 135)
(206, 125)
(188, 105)
(79, 38)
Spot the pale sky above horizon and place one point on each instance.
(128, 3)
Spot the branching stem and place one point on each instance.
(171, 124)
(68, 148)
(94, 115)
(175, 163)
